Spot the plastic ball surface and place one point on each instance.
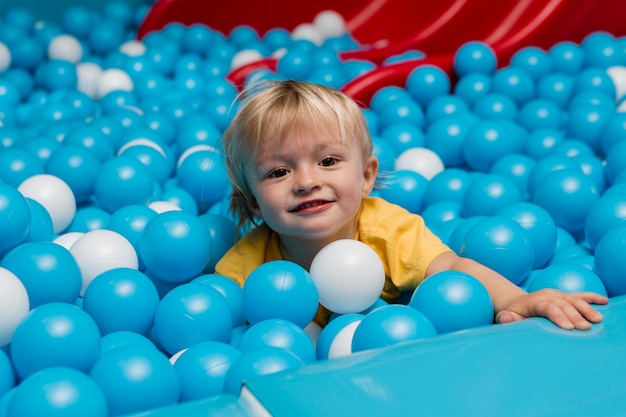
(55, 334)
(55, 195)
(15, 217)
(335, 339)
(48, 271)
(175, 246)
(192, 313)
(14, 305)
(258, 362)
(452, 301)
(101, 250)
(58, 391)
(567, 195)
(121, 299)
(280, 334)
(349, 276)
(136, 378)
(501, 244)
(610, 261)
(421, 160)
(122, 181)
(567, 277)
(202, 369)
(426, 83)
(280, 290)
(608, 211)
(405, 188)
(487, 194)
(202, 175)
(230, 290)
(540, 228)
(474, 57)
(391, 325)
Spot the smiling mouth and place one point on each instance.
(309, 205)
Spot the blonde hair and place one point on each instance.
(272, 109)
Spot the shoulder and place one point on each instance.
(247, 254)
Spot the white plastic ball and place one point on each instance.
(67, 239)
(89, 74)
(133, 48)
(349, 276)
(101, 250)
(618, 76)
(14, 304)
(309, 32)
(142, 142)
(330, 24)
(54, 195)
(421, 160)
(66, 48)
(163, 206)
(113, 79)
(244, 57)
(342, 343)
(5, 57)
(193, 149)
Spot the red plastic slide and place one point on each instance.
(384, 28)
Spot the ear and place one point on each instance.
(370, 171)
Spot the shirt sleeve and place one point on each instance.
(403, 242)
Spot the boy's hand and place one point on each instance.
(568, 311)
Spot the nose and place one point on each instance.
(305, 181)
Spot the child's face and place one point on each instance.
(310, 185)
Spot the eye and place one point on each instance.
(277, 173)
(328, 161)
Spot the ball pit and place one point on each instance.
(105, 131)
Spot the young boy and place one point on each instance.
(299, 157)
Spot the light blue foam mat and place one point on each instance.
(528, 368)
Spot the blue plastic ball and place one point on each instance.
(136, 378)
(192, 313)
(446, 136)
(556, 87)
(496, 106)
(88, 218)
(474, 57)
(202, 369)
(615, 162)
(280, 290)
(567, 195)
(105, 36)
(121, 338)
(175, 246)
(121, 299)
(296, 64)
(449, 185)
(546, 166)
(256, 363)
(281, 334)
(452, 301)
(514, 83)
(15, 217)
(406, 189)
(41, 226)
(385, 95)
(517, 167)
(58, 391)
(533, 60)
(585, 122)
(7, 375)
(608, 211)
(16, 165)
(486, 142)
(540, 114)
(48, 271)
(122, 181)
(427, 82)
(230, 290)
(540, 228)
(567, 277)
(566, 57)
(391, 325)
(58, 75)
(594, 79)
(222, 230)
(402, 136)
(488, 193)
(55, 334)
(445, 105)
(501, 244)
(385, 153)
(401, 110)
(77, 20)
(471, 87)
(202, 174)
(610, 262)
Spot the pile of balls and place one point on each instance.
(113, 203)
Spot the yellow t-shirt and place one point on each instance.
(401, 239)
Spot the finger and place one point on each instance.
(507, 316)
(591, 297)
(587, 311)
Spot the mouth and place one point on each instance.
(308, 205)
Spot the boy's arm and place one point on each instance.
(511, 303)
